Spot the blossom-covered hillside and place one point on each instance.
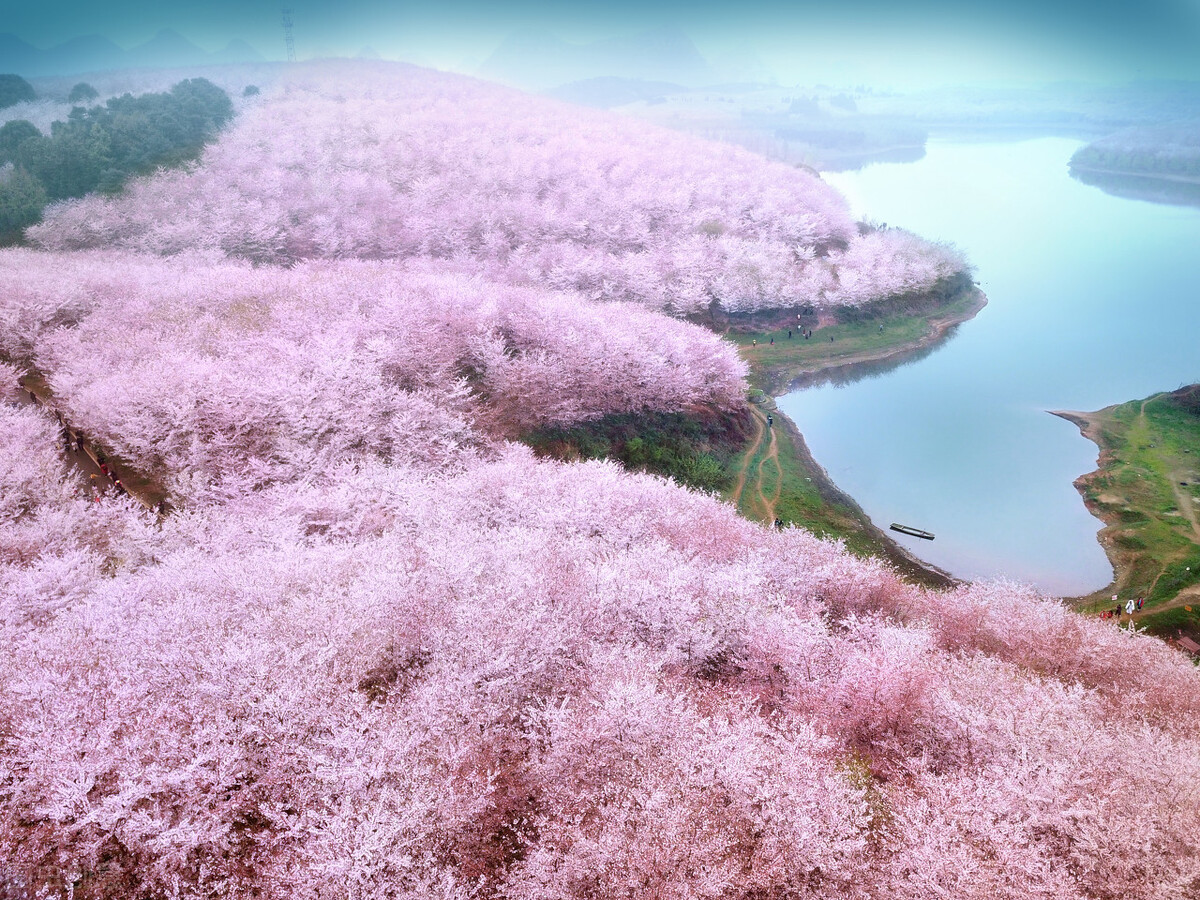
(228, 378)
(529, 679)
(341, 160)
(375, 648)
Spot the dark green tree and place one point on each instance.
(14, 89)
(12, 135)
(82, 92)
(22, 198)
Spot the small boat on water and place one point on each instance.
(915, 532)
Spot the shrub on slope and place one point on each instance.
(226, 377)
(377, 160)
(537, 680)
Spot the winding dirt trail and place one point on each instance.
(1185, 504)
(742, 470)
(759, 493)
(1140, 431)
(1186, 597)
(772, 456)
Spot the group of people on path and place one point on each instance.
(807, 333)
(1132, 605)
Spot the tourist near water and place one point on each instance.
(1086, 292)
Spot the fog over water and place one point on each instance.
(1090, 299)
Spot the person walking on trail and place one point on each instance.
(770, 421)
(1129, 606)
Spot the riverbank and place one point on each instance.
(1146, 490)
(777, 361)
(779, 479)
(756, 458)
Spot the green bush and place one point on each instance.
(669, 444)
(1170, 621)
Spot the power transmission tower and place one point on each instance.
(287, 35)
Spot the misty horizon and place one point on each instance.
(923, 45)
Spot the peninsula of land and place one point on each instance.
(1146, 490)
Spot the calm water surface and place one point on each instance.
(1092, 301)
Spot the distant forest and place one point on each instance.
(98, 148)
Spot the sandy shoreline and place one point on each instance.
(1087, 423)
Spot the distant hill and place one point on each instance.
(610, 91)
(93, 53)
(538, 60)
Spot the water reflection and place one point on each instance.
(1142, 187)
(841, 376)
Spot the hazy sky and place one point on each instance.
(878, 41)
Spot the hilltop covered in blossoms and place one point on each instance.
(380, 161)
(376, 648)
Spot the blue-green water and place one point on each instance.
(1093, 300)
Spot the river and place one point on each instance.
(1092, 301)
